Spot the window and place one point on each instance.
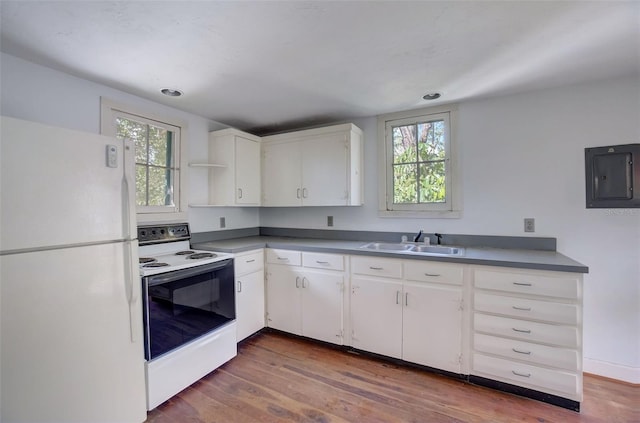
(157, 160)
(418, 177)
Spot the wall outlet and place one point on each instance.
(329, 220)
(529, 224)
(223, 222)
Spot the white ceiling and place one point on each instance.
(268, 66)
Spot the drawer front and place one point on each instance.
(566, 336)
(376, 266)
(564, 358)
(323, 261)
(287, 257)
(429, 271)
(248, 263)
(526, 308)
(528, 283)
(542, 379)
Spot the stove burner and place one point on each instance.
(155, 265)
(201, 256)
(143, 260)
(184, 253)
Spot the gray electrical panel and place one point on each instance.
(612, 176)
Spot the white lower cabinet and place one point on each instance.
(527, 329)
(250, 295)
(416, 321)
(302, 300)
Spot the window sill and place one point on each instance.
(455, 214)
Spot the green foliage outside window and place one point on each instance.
(419, 159)
(154, 167)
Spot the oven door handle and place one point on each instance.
(185, 273)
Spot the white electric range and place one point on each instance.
(188, 310)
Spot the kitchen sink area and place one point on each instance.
(418, 248)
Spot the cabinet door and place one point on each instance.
(247, 161)
(322, 306)
(281, 175)
(376, 316)
(325, 171)
(283, 299)
(432, 326)
(249, 304)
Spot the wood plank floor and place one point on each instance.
(277, 378)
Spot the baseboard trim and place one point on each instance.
(617, 372)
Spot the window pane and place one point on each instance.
(160, 183)
(404, 144)
(404, 184)
(159, 146)
(137, 132)
(431, 145)
(141, 185)
(432, 182)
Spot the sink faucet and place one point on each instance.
(417, 237)
(439, 236)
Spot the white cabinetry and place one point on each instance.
(303, 299)
(417, 318)
(250, 297)
(316, 167)
(528, 329)
(234, 168)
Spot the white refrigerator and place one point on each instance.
(71, 319)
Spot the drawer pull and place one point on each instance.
(522, 283)
(250, 261)
(521, 308)
(283, 258)
(239, 286)
(376, 268)
(521, 330)
(521, 374)
(521, 352)
(432, 274)
(322, 262)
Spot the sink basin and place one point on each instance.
(389, 246)
(414, 248)
(436, 249)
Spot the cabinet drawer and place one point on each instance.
(566, 336)
(288, 257)
(323, 261)
(248, 263)
(542, 379)
(563, 358)
(526, 308)
(376, 266)
(429, 271)
(528, 283)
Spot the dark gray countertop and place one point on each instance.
(524, 259)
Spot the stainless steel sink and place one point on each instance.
(437, 249)
(389, 246)
(416, 248)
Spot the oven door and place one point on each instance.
(183, 305)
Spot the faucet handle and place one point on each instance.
(404, 238)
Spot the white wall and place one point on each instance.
(40, 94)
(523, 156)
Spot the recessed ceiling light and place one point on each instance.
(171, 92)
(431, 96)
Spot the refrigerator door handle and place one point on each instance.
(130, 273)
(128, 195)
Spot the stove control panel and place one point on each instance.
(165, 233)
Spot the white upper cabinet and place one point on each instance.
(234, 175)
(316, 167)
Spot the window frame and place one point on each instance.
(452, 207)
(109, 112)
